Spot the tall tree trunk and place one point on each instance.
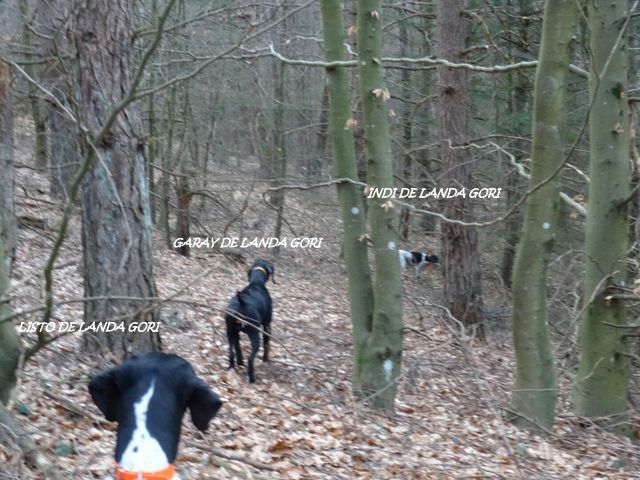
(280, 157)
(184, 195)
(316, 162)
(37, 110)
(9, 341)
(152, 142)
(8, 226)
(167, 166)
(379, 363)
(535, 389)
(462, 289)
(116, 231)
(601, 384)
(183, 189)
(350, 195)
(518, 107)
(407, 128)
(65, 151)
(59, 52)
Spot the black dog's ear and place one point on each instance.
(105, 393)
(203, 404)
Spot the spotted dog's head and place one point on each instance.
(148, 395)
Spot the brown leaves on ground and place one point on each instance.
(299, 421)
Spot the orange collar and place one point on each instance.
(166, 474)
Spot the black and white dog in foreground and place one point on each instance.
(250, 311)
(418, 260)
(148, 395)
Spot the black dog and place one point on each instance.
(147, 396)
(250, 312)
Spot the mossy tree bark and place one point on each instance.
(10, 345)
(535, 389)
(379, 362)
(350, 195)
(9, 341)
(601, 384)
(461, 264)
(116, 217)
(8, 225)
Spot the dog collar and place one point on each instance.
(166, 474)
(266, 274)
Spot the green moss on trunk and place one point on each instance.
(535, 390)
(600, 389)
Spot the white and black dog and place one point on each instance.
(417, 260)
(148, 395)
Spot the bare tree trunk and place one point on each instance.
(407, 130)
(9, 341)
(315, 164)
(379, 364)
(535, 388)
(8, 226)
(167, 167)
(37, 110)
(601, 383)
(280, 157)
(462, 289)
(116, 217)
(184, 195)
(58, 54)
(519, 105)
(65, 152)
(350, 196)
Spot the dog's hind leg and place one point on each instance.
(237, 348)
(266, 337)
(254, 337)
(233, 336)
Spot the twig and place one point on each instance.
(234, 458)
(74, 408)
(32, 455)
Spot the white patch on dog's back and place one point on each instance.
(143, 453)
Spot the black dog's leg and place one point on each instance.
(254, 337)
(238, 350)
(233, 337)
(266, 336)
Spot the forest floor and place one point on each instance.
(299, 421)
